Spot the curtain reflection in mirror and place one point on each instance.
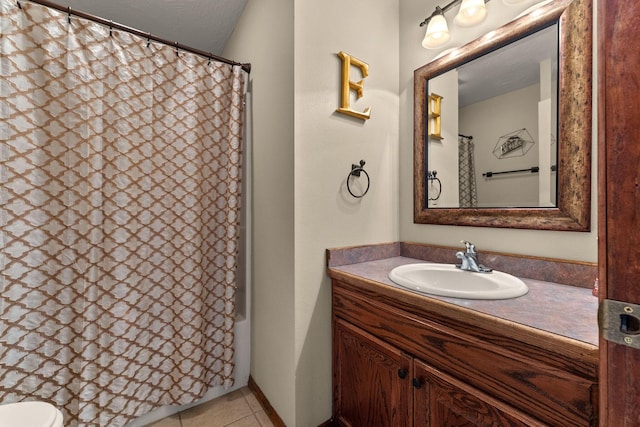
(468, 193)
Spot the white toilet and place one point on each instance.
(30, 414)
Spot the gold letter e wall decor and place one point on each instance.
(348, 85)
(435, 108)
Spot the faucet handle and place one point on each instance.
(471, 248)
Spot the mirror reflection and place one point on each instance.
(432, 118)
(496, 146)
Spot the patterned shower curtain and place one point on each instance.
(120, 165)
(468, 193)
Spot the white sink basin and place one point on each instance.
(448, 281)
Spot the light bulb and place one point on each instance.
(471, 12)
(437, 33)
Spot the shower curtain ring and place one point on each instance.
(356, 171)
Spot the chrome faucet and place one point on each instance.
(469, 259)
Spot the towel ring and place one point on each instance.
(431, 177)
(355, 171)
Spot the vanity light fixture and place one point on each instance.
(471, 12)
(437, 31)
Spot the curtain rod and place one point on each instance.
(107, 23)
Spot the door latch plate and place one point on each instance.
(619, 322)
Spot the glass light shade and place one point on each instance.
(437, 33)
(471, 12)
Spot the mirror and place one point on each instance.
(494, 109)
(552, 135)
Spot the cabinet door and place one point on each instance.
(371, 380)
(441, 400)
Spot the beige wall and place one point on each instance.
(566, 245)
(326, 144)
(303, 152)
(443, 153)
(265, 38)
(487, 121)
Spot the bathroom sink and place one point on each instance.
(449, 281)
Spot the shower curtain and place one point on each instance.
(467, 194)
(120, 166)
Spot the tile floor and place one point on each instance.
(236, 409)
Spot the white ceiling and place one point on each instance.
(202, 24)
(512, 67)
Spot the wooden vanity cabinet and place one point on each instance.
(372, 380)
(376, 384)
(441, 400)
(392, 367)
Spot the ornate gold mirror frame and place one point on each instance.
(573, 211)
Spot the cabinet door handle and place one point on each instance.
(416, 383)
(402, 373)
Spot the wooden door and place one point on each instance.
(442, 400)
(372, 380)
(619, 198)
